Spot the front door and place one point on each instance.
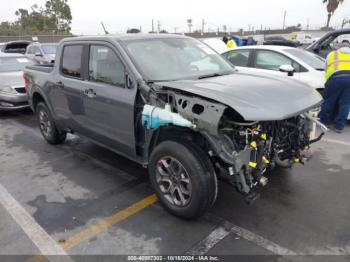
(109, 105)
(271, 61)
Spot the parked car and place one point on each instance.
(280, 41)
(331, 41)
(303, 66)
(174, 105)
(278, 60)
(17, 47)
(42, 53)
(302, 38)
(13, 95)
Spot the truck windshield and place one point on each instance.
(49, 49)
(166, 59)
(12, 64)
(310, 59)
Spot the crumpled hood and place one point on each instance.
(256, 97)
(13, 79)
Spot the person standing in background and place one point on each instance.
(336, 106)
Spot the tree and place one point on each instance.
(54, 17)
(59, 11)
(332, 5)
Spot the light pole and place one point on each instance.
(189, 23)
(284, 19)
(203, 23)
(158, 26)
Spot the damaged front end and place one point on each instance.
(242, 152)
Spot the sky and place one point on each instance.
(119, 15)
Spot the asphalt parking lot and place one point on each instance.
(86, 200)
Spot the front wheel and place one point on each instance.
(183, 178)
(47, 125)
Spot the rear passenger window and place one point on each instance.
(71, 61)
(105, 66)
(238, 58)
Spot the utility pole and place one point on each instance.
(152, 26)
(189, 23)
(158, 27)
(203, 23)
(308, 24)
(284, 19)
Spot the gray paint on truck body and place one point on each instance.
(109, 119)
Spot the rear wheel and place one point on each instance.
(47, 125)
(183, 178)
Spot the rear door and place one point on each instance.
(109, 104)
(66, 92)
(241, 59)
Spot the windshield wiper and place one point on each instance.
(210, 75)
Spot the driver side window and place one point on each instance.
(105, 66)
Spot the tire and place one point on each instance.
(47, 125)
(196, 181)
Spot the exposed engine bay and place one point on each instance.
(241, 151)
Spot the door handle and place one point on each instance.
(90, 93)
(60, 84)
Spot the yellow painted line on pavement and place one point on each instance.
(107, 222)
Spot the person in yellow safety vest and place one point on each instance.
(230, 43)
(336, 106)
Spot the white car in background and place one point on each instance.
(280, 60)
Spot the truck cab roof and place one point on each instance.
(122, 37)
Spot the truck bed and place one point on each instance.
(41, 68)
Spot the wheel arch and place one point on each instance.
(176, 134)
(37, 97)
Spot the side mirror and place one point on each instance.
(38, 54)
(287, 69)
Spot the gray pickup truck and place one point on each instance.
(177, 107)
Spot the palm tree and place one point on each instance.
(332, 5)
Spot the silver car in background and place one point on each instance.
(42, 53)
(13, 95)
